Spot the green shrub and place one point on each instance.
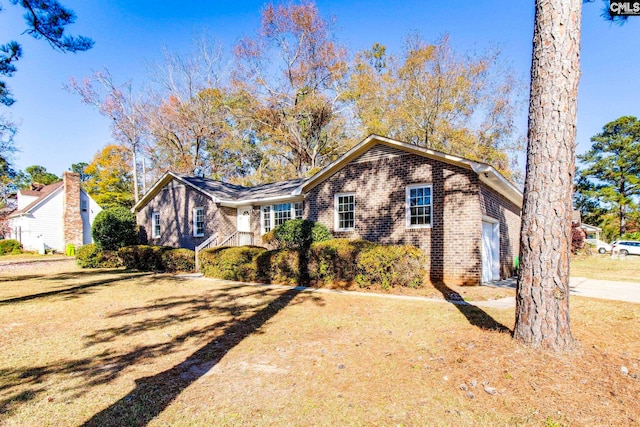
(10, 247)
(114, 228)
(279, 266)
(179, 260)
(90, 256)
(391, 266)
(231, 263)
(143, 257)
(335, 260)
(298, 234)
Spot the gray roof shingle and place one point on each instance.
(231, 192)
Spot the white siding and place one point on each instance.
(24, 200)
(88, 217)
(44, 224)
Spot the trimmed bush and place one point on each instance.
(391, 266)
(179, 260)
(114, 228)
(333, 261)
(90, 256)
(278, 266)
(336, 260)
(10, 247)
(143, 257)
(231, 263)
(298, 234)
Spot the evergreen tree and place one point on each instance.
(612, 173)
(46, 19)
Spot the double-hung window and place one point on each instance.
(198, 222)
(155, 224)
(266, 219)
(419, 203)
(345, 211)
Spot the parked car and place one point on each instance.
(601, 247)
(626, 247)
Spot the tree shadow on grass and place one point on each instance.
(153, 394)
(474, 314)
(11, 277)
(71, 291)
(231, 312)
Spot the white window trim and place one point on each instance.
(262, 209)
(195, 221)
(336, 217)
(272, 215)
(155, 215)
(407, 206)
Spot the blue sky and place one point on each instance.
(56, 130)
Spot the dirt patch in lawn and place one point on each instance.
(161, 350)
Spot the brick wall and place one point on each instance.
(453, 241)
(175, 203)
(71, 217)
(499, 207)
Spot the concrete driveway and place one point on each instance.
(592, 288)
(605, 289)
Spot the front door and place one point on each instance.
(490, 251)
(244, 225)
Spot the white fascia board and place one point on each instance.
(264, 201)
(495, 180)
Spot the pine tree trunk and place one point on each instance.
(542, 296)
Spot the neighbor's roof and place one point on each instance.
(236, 195)
(43, 194)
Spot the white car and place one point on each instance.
(601, 247)
(626, 247)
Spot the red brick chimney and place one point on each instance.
(72, 224)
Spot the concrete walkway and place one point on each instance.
(591, 288)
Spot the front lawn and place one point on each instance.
(109, 347)
(604, 267)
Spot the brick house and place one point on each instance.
(51, 216)
(462, 213)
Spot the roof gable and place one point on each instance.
(224, 192)
(43, 195)
(376, 147)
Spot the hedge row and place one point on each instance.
(137, 257)
(333, 261)
(90, 256)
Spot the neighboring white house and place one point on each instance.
(52, 216)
